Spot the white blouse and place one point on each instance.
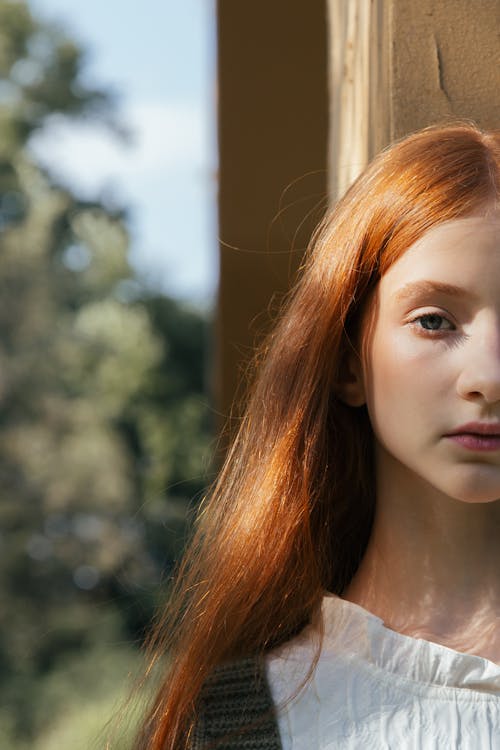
(375, 689)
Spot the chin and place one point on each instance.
(475, 489)
(477, 498)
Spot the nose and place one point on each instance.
(479, 379)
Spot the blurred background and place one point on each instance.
(162, 168)
(108, 271)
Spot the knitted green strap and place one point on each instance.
(236, 709)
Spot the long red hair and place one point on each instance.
(291, 512)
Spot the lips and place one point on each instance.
(483, 429)
(477, 436)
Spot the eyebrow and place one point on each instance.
(421, 288)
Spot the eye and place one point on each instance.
(433, 322)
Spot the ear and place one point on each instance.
(350, 387)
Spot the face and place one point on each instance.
(431, 363)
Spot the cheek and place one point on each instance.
(391, 364)
(406, 379)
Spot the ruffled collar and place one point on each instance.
(359, 634)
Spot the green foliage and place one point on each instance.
(104, 426)
(84, 703)
(40, 76)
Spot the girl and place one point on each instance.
(343, 586)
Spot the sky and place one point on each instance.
(159, 57)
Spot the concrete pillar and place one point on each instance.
(359, 88)
(273, 134)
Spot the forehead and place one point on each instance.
(464, 252)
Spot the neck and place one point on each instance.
(431, 569)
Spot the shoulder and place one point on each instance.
(236, 709)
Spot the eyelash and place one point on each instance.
(432, 331)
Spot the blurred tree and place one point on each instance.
(104, 427)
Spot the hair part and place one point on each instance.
(291, 512)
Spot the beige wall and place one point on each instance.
(445, 62)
